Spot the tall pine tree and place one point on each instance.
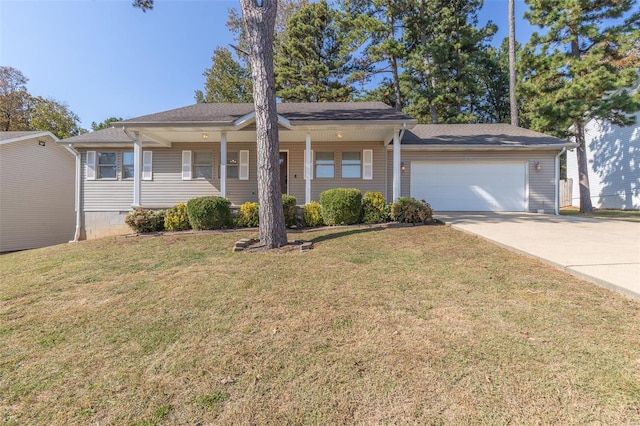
(573, 73)
(226, 81)
(375, 27)
(313, 65)
(445, 46)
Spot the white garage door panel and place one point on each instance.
(470, 186)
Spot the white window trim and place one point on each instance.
(235, 166)
(147, 165)
(194, 165)
(91, 165)
(334, 165)
(122, 176)
(311, 164)
(186, 165)
(98, 165)
(367, 164)
(243, 167)
(352, 165)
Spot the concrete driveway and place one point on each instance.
(606, 252)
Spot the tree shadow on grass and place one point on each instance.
(345, 233)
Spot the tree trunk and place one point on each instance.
(581, 150)
(583, 169)
(393, 60)
(512, 63)
(259, 21)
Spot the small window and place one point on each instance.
(107, 165)
(324, 165)
(127, 165)
(351, 165)
(203, 165)
(232, 165)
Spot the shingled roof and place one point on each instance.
(108, 135)
(498, 135)
(296, 113)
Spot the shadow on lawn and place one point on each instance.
(344, 233)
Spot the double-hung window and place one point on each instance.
(107, 165)
(351, 165)
(232, 165)
(127, 165)
(203, 165)
(324, 165)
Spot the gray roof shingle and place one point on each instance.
(109, 135)
(13, 135)
(476, 134)
(294, 112)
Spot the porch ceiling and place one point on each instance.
(167, 135)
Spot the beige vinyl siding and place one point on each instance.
(37, 204)
(168, 188)
(240, 191)
(106, 194)
(541, 183)
(318, 185)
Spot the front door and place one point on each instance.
(284, 169)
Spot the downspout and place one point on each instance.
(557, 180)
(76, 236)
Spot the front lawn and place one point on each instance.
(629, 215)
(412, 325)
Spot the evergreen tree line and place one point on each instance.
(430, 58)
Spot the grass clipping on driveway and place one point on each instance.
(421, 325)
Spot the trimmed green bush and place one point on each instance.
(209, 213)
(312, 214)
(341, 206)
(176, 218)
(290, 210)
(145, 220)
(410, 210)
(248, 215)
(374, 207)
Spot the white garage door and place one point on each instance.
(487, 186)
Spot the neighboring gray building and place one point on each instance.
(37, 178)
(161, 159)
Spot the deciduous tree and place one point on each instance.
(14, 99)
(19, 110)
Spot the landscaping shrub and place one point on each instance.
(145, 220)
(312, 214)
(374, 207)
(248, 215)
(341, 206)
(209, 213)
(410, 210)
(176, 218)
(290, 210)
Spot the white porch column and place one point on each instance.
(307, 170)
(223, 164)
(396, 165)
(137, 168)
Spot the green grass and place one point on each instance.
(415, 325)
(629, 215)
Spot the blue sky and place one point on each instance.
(105, 58)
